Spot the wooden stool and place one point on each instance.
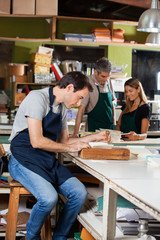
(17, 189)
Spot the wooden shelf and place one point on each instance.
(93, 224)
(98, 44)
(75, 43)
(53, 29)
(35, 84)
(17, 39)
(53, 23)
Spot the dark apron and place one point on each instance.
(40, 161)
(101, 115)
(128, 121)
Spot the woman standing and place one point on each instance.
(134, 118)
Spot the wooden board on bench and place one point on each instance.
(105, 154)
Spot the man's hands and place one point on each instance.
(102, 136)
(97, 137)
(78, 146)
(83, 142)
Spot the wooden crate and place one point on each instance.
(40, 58)
(41, 68)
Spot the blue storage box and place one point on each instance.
(79, 37)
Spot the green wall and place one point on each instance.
(22, 51)
(131, 33)
(24, 27)
(121, 56)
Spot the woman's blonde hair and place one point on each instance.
(134, 83)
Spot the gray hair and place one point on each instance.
(103, 65)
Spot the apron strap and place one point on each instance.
(51, 96)
(98, 88)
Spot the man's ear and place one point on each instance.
(70, 88)
(95, 72)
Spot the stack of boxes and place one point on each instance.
(118, 35)
(101, 34)
(41, 63)
(31, 7)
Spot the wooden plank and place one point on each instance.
(105, 154)
(53, 28)
(17, 39)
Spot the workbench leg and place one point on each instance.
(109, 212)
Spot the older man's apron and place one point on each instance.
(39, 161)
(101, 116)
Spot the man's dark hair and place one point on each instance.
(103, 65)
(78, 79)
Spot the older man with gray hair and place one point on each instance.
(98, 104)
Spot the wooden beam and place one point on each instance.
(136, 3)
(53, 28)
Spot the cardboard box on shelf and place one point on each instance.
(23, 7)
(5, 6)
(45, 50)
(47, 7)
(40, 58)
(41, 68)
(79, 37)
